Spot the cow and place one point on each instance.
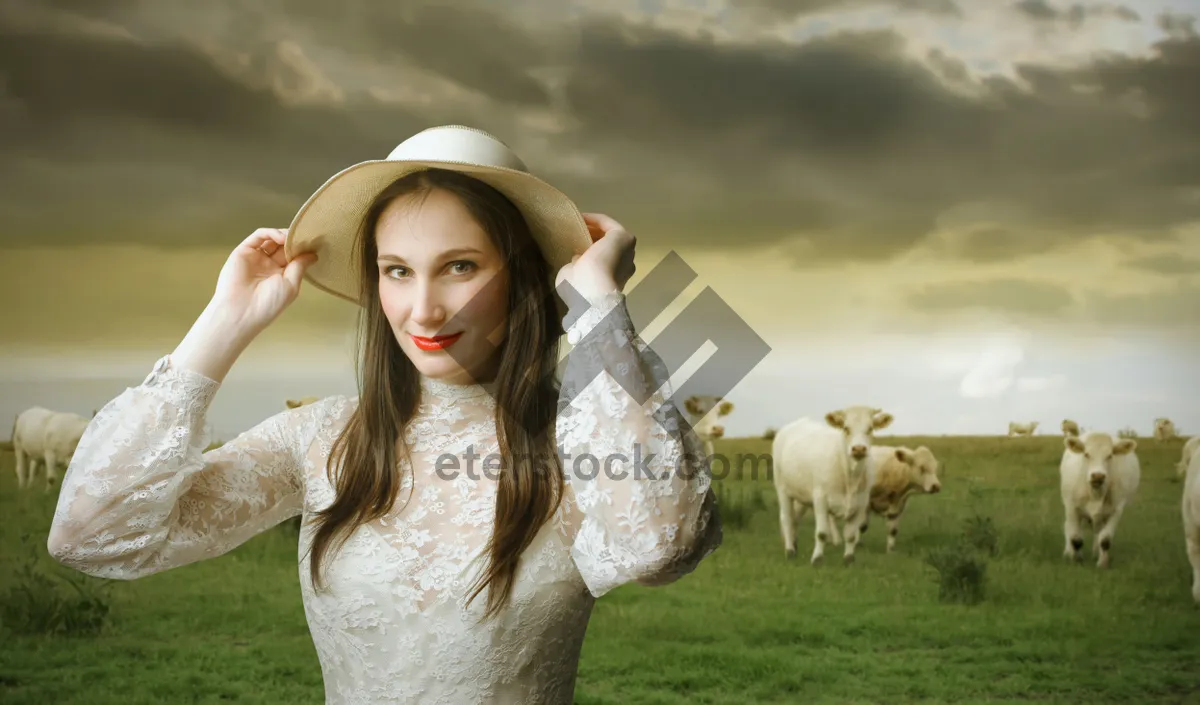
(1022, 429)
(899, 473)
(699, 408)
(297, 403)
(48, 437)
(1099, 478)
(1191, 519)
(1189, 449)
(1164, 430)
(1071, 428)
(826, 465)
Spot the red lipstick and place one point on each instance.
(440, 342)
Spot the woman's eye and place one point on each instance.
(462, 266)
(395, 271)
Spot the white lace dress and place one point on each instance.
(141, 496)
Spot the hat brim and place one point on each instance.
(328, 222)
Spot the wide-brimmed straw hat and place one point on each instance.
(328, 222)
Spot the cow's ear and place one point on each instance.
(904, 456)
(882, 420)
(726, 407)
(292, 403)
(1124, 446)
(691, 405)
(1073, 444)
(837, 419)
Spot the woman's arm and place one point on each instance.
(649, 514)
(141, 496)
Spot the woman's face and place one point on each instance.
(443, 287)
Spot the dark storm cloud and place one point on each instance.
(843, 147)
(1176, 307)
(1018, 295)
(992, 243)
(781, 10)
(845, 141)
(1075, 14)
(1167, 264)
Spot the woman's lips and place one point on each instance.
(440, 342)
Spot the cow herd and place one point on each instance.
(831, 467)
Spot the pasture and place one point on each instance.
(747, 627)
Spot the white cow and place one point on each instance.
(899, 473)
(1099, 477)
(1164, 429)
(47, 437)
(1191, 519)
(297, 403)
(699, 408)
(1189, 449)
(1071, 428)
(1022, 429)
(826, 465)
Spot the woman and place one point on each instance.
(451, 248)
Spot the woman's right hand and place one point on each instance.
(257, 282)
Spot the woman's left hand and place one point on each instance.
(607, 264)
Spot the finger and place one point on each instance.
(605, 222)
(276, 253)
(293, 272)
(264, 235)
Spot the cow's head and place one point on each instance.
(858, 425)
(1098, 451)
(699, 407)
(922, 468)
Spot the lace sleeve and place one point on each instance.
(635, 465)
(141, 496)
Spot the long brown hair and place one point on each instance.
(530, 482)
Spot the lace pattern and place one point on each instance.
(142, 496)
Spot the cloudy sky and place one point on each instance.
(963, 211)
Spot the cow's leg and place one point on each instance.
(800, 510)
(51, 469)
(821, 532)
(19, 452)
(1193, 552)
(1104, 536)
(893, 516)
(853, 520)
(893, 521)
(1073, 535)
(31, 469)
(787, 523)
(835, 534)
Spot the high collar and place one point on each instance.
(449, 390)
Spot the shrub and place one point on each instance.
(737, 506)
(980, 533)
(961, 573)
(36, 604)
(961, 567)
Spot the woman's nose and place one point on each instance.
(427, 306)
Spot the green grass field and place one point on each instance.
(747, 627)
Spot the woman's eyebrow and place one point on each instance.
(448, 253)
